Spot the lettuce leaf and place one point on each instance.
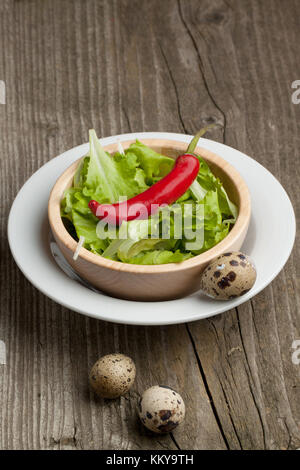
(151, 162)
(159, 257)
(107, 178)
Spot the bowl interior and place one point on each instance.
(233, 183)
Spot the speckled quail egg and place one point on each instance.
(112, 375)
(161, 409)
(228, 276)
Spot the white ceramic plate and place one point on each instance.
(269, 241)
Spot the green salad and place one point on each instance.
(106, 178)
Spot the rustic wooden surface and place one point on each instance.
(144, 65)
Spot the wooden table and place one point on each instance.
(149, 65)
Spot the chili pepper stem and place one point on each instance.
(194, 141)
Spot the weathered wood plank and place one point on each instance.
(128, 65)
(247, 353)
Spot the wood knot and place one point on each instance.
(213, 16)
(207, 120)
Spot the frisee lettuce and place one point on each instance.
(106, 178)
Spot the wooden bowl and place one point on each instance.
(155, 282)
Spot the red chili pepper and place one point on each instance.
(166, 191)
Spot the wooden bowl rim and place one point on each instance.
(241, 224)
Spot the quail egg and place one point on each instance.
(112, 375)
(229, 276)
(161, 409)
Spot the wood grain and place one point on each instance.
(137, 65)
